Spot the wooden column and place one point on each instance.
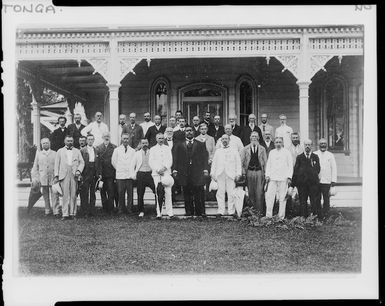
(304, 109)
(114, 111)
(35, 119)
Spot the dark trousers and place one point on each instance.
(125, 186)
(193, 199)
(311, 191)
(324, 191)
(144, 179)
(87, 192)
(108, 194)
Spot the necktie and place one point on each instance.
(263, 127)
(253, 148)
(307, 156)
(125, 149)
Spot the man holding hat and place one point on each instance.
(160, 161)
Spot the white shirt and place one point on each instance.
(176, 128)
(123, 162)
(328, 165)
(228, 161)
(279, 165)
(295, 151)
(160, 156)
(285, 132)
(69, 157)
(170, 143)
(265, 127)
(235, 143)
(46, 152)
(96, 129)
(120, 128)
(252, 125)
(145, 125)
(91, 154)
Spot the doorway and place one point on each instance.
(199, 98)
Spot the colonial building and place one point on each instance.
(313, 74)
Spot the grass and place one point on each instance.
(126, 244)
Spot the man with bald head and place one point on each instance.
(305, 178)
(235, 142)
(134, 132)
(96, 128)
(248, 129)
(196, 122)
(237, 130)
(154, 130)
(147, 123)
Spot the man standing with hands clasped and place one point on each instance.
(279, 169)
(190, 167)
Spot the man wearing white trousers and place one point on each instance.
(225, 170)
(279, 170)
(160, 160)
(69, 165)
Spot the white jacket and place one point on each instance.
(279, 165)
(160, 156)
(123, 162)
(235, 143)
(328, 165)
(226, 160)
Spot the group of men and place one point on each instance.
(179, 156)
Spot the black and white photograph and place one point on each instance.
(189, 153)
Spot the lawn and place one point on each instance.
(126, 244)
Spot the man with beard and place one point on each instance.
(265, 127)
(147, 123)
(295, 148)
(180, 134)
(235, 142)
(154, 130)
(207, 120)
(69, 165)
(327, 175)
(122, 124)
(134, 132)
(305, 178)
(58, 135)
(190, 167)
(109, 190)
(75, 129)
(82, 141)
(237, 130)
(269, 143)
(168, 139)
(248, 129)
(216, 130)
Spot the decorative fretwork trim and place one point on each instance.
(317, 63)
(289, 62)
(127, 65)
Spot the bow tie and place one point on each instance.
(68, 148)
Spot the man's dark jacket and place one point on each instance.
(306, 170)
(152, 131)
(105, 155)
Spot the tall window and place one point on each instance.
(246, 102)
(160, 99)
(336, 114)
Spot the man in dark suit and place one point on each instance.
(180, 135)
(216, 130)
(237, 130)
(91, 173)
(269, 143)
(153, 130)
(248, 129)
(207, 120)
(190, 167)
(109, 190)
(134, 131)
(58, 135)
(74, 129)
(195, 126)
(305, 178)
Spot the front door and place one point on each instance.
(198, 99)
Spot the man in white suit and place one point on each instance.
(96, 128)
(143, 173)
(69, 165)
(279, 170)
(123, 161)
(226, 168)
(234, 141)
(160, 161)
(43, 173)
(327, 175)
